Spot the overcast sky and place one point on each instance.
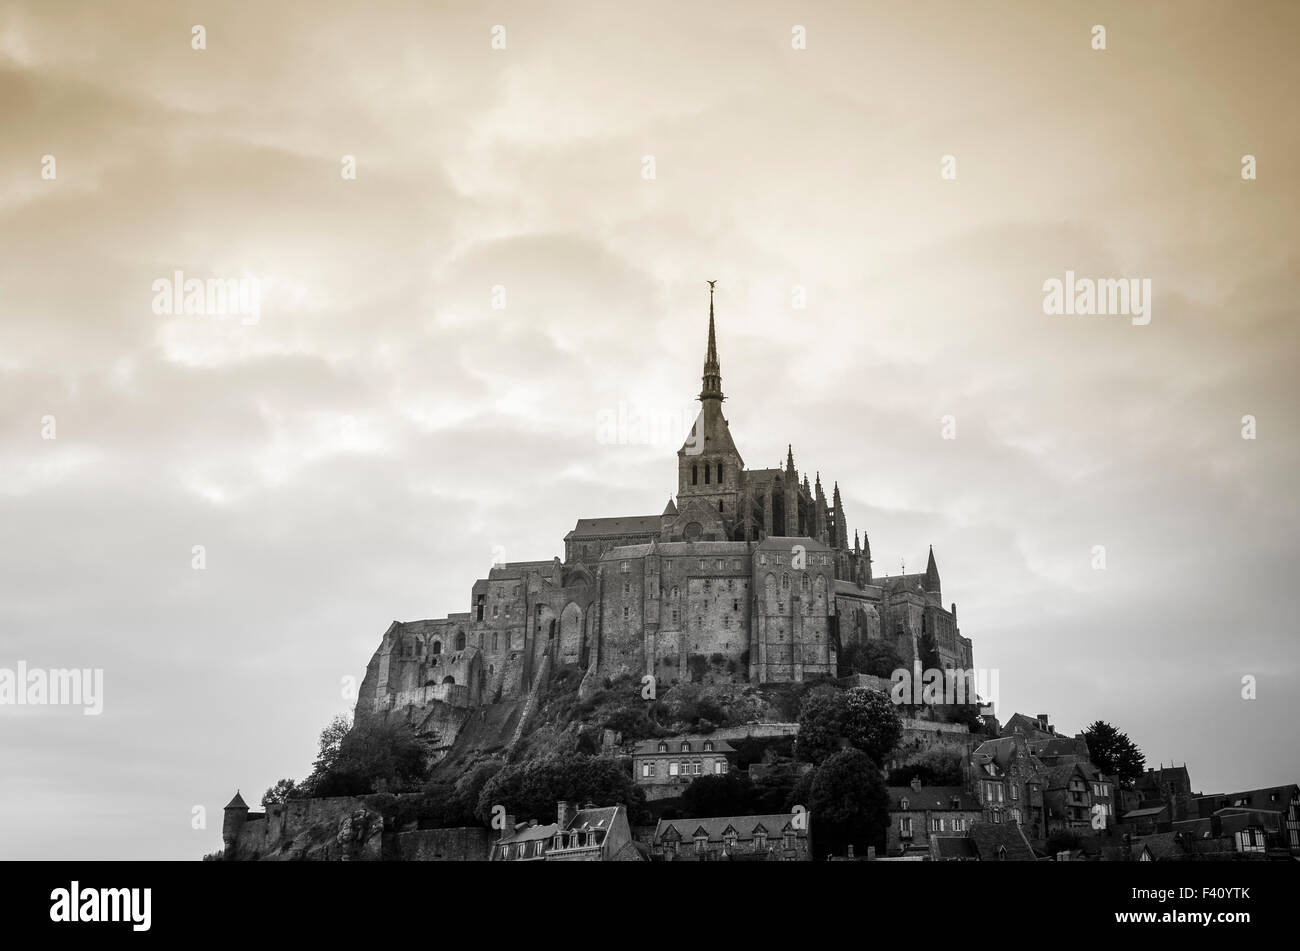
(362, 451)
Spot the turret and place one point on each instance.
(232, 823)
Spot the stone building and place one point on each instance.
(918, 813)
(665, 767)
(746, 576)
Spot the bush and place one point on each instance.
(370, 757)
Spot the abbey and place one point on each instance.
(746, 575)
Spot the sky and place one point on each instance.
(523, 251)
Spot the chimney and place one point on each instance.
(508, 829)
(564, 813)
(1042, 723)
(916, 783)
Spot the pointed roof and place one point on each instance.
(712, 389)
(931, 573)
(237, 802)
(789, 457)
(670, 508)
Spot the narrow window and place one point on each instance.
(719, 473)
(695, 475)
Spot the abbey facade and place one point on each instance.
(748, 575)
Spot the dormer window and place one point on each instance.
(904, 804)
(663, 747)
(686, 746)
(708, 746)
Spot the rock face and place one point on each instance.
(360, 836)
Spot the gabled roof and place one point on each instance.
(952, 847)
(615, 526)
(651, 747)
(715, 827)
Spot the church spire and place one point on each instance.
(712, 372)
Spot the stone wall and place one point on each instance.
(465, 844)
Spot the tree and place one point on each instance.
(532, 788)
(282, 791)
(878, 658)
(861, 718)
(936, 767)
(373, 756)
(848, 804)
(731, 794)
(1114, 753)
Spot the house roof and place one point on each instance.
(715, 826)
(1140, 813)
(237, 802)
(651, 747)
(991, 837)
(931, 797)
(1163, 845)
(617, 525)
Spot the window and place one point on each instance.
(703, 563)
(625, 567)
(903, 803)
(647, 770)
(695, 475)
(686, 746)
(478, 607)
(672, 768)
(719, 767)
(905, 827)
(708, 746)
(760, 841)
(1015, 791)
(625, 612)
(701, 844)
(789, 840)
(785, 579)
(627, 588)
(762, 559)
(496, 610)
(735, 604)
(719, 473)
(721, 564)
(663, 747)
(674, 615)
(706, 473)
(936, 824)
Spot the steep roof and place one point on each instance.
(745, 826)
(237, 802)
(990, 837)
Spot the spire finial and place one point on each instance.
(712, 372)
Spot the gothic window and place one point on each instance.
(785, 579)
(695, 475)
(437, 647)
(719, 475)
(479, 608)
(460, 640)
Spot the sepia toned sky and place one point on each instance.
(363, 450)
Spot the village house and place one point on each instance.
(918, 813)
(665, 767)
(589, 834)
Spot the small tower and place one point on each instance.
(232, 823)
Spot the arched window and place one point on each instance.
(720, 506)
(708, 746)
(460, 640)
(437, 647)
(686, 746)
(719, 473)
(663, 747)
(449, 679)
